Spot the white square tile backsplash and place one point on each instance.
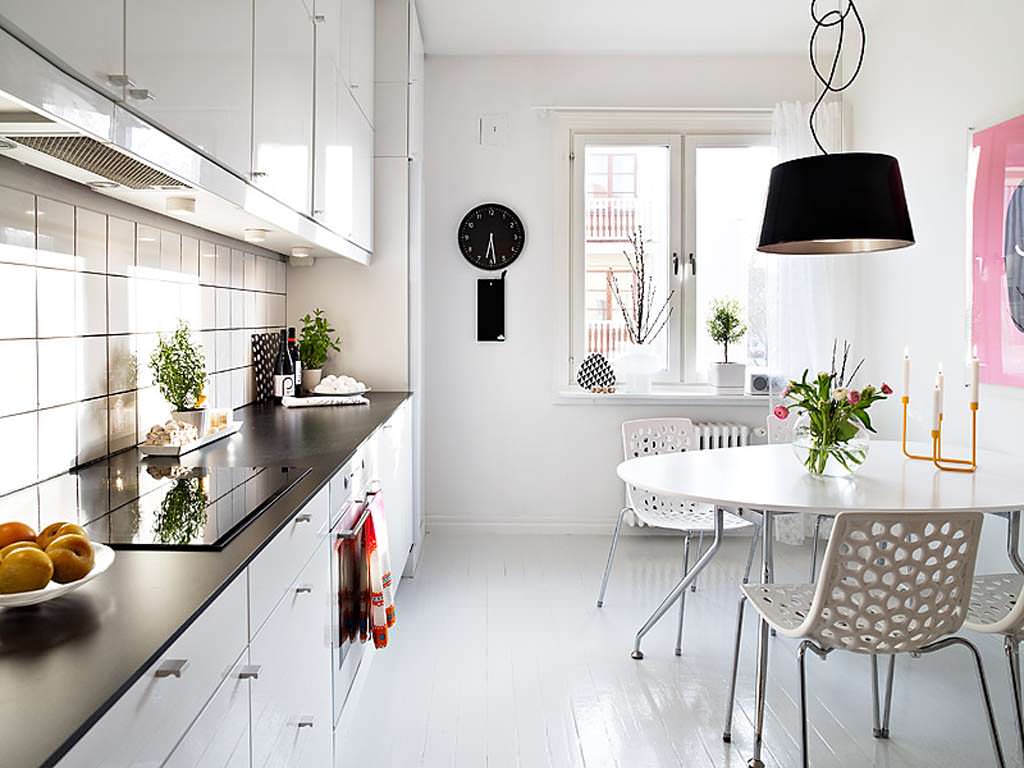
(83, 295)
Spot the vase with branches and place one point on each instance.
(644, 314)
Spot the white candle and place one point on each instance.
(975, 376)
(906, 371)
(936, 408)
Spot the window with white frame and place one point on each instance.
(696, 201)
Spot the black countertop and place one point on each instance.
(63, 663)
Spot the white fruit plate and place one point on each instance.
(104, 557)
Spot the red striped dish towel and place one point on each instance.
(375, 545)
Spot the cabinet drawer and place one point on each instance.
(282, 559)
(219, 737)
(145, 724)
(291, 700)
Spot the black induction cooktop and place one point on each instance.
(132, 504)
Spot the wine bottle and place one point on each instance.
(284, 370)
(293, 350)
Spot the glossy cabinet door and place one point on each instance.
(84, 38)
(291, 699)
(219, 737)
(282, 124)
(191, 62)
(357, 46)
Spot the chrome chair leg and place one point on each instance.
(700, 551)
(814, 547)
(682, 597)
(880, 713)
(685, 582)
(821, 653)
(1012, 647)
(986, 698)
(730, 701)
(750, 555)
(759, 694)
(611, 556)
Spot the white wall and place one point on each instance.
(933, 70)
(498, 450)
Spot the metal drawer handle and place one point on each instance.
(120, 80)
(250, 672)
(141, 94)
(304, 589)
(171, 668)
(304, 517)
(305, 721)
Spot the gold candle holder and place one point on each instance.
(945, 463)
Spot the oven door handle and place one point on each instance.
(355, 530)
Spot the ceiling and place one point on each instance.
(619, 26)
(606, 26)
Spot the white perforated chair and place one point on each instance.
(652, 437)
(891, 583)
(997, 608)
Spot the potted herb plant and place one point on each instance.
(179, 370)
(830, 437)
(314, 343)
(725, 327)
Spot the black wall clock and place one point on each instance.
(491, 236)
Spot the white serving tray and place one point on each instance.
(104, 557)
(178, 450)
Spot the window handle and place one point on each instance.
(692, 260)
(675, 264)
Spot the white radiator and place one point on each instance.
(721, 434)
(710, 435)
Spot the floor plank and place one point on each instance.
(500, 659)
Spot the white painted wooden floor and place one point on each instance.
(500, 658)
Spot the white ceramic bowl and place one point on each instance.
(104, 557)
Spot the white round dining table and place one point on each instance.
(769, 479)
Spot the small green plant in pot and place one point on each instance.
(725, 327)
(314, 343)
(179, 370)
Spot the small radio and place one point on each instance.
(763, 383)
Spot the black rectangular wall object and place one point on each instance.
(490, 309)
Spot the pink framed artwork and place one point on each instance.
(997, 251)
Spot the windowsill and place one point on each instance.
(662, 395)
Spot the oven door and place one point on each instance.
(349, 581)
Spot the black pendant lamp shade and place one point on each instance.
(849, 202)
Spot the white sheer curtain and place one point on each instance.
(813, 299)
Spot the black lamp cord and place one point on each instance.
(833, 18)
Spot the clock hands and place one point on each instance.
(490, 250)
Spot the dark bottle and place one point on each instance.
(284, 370)
(293, 350)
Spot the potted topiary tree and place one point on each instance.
(314, 343)
(179, 370)
(725, 327)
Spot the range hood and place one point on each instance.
(51, 121)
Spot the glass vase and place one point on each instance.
(638, 363)
(824, 457)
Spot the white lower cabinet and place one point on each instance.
(394, 460)
(291, 699)
(219, 738)
(146, 723)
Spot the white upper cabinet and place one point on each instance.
(191, 65)
(357, 18)
(86, 38)
(283, 101)
(343, 157)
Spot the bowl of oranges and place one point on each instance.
(35, 567)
